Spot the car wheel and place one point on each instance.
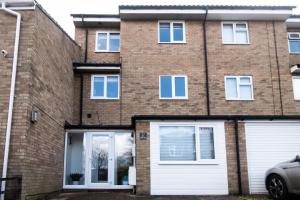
(277, 187)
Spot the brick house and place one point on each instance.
(166, 100)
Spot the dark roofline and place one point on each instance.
(77, 64)
(192, 7)
(295, 16)
(95, 15)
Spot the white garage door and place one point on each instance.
(269, 143)
(202, 174)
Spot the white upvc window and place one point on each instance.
(235, 33)
(171, 32)
(173, 87)
(296, 87)
(105, 86)
(187, 143)
(239, 88)
(294, 42)
(107, 41)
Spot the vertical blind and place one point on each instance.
(207, 143)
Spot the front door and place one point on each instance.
(100, 159)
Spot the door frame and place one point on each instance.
(88, 168)
(86, 148)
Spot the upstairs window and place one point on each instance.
(294, 42)
(171, 32)
(173, 87)
(235, 33)
(296, 87)
(238, 88)
(104, 87)
(107, 42)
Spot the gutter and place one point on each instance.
(206, 62)
(11, 95)
(238, 160)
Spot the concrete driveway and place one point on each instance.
(127, 196)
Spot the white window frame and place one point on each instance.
(105, 87)
(198, 160)
(173, 87)
(238, 84)
(172, 31)
(107, 41)
(234, 31)
(292, 40)
(295, 87)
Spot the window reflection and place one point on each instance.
(123, 157)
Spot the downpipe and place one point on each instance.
(12, 93)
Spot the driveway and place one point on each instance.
(127, 196)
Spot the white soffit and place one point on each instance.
(248, 14)
(213, 14)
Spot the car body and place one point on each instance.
(284, 179)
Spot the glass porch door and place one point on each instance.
(100, 158)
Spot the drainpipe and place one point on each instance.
(237, 149)
(206, 62)
(11, 95)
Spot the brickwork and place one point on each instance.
(93, 56)
(45, 84)
(142, 159)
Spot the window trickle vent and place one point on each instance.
(294, 36)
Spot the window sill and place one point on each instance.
(174, 98)
(294, 53)
(96, 98)
(107, 51)
(240, 99)
(171, 42)
(202, 162)
(236, 43)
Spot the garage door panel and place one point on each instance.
(268, 144)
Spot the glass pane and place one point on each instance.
(112, 86)
(166, 86)
(102, 41)
(245, 80)
(296, 87)
(245, 92)
(228, 33)
(207, 143)
(177, 143)
(294, 46)
(178, 31)
(231, 90)
(75, 159)
(179, 86)
(241, 26)
(123, 156)
(114, 42)
(99, 86)
(99, 159)
(164, 32)
(241, 37)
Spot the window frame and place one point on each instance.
(173, 87)
(172, 31)
(234, 23)
(292, 40)
(107, 50)
(297, 98)
(238, 84)
(198, 159)
(105, 87)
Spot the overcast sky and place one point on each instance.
(60, 10)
